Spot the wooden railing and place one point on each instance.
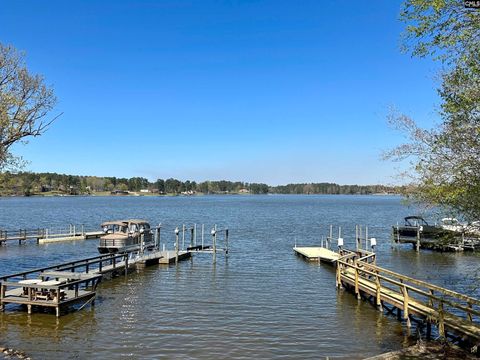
(21, 234)
(443, 307)
(88, 265)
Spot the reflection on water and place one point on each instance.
(261, 302)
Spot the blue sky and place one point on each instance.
(258, 91)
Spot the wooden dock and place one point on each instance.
(64, 285)
(455, 316)
(317, 253)
(169, 257)
(44, 236)
(448, 242)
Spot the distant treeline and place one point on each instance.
(330, 188)
(28, 183)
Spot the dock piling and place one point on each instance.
(176, 245)
(226, 241)
(366, 237)
(356, 237)
(192, 233)
(214, 239)
(183, 236)
(195, 234)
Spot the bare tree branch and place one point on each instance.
(25, 101)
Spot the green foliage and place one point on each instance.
(330, 188)
(27, 183)
(443, 29)
(446, 159)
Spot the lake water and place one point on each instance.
(261, 302)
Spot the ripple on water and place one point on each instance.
(263, 302)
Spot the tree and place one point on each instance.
(442, 29)
(446, 159)
(160, 184)
(25, 102)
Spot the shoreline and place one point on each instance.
(181, 195)
(427, 350)
(10, 353)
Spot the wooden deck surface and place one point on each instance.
(317, 253)
(73, 237)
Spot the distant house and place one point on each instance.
(46, 188)
(119, 192)
(144, 191)
(243, 191)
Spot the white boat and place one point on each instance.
(125, 235)
(452, 224)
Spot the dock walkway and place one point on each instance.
(455, 315)
(45, 236)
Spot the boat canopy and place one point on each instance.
(137, 221)
(415, 221)
(124, 222)
(118, 222)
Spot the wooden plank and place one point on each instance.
(67, 275)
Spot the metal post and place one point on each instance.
(331, 233)
(83, 230)
(366, 237)
(417, 245)
(360, 237)
(160, 234)
(356, 236)
(214, 238)
(183, 236)
(142, 239)
(195, 234)
(176, 245)
(203, 233)
(226, 241)
(192, 230)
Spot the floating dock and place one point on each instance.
(317, 253)
(45, 236)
